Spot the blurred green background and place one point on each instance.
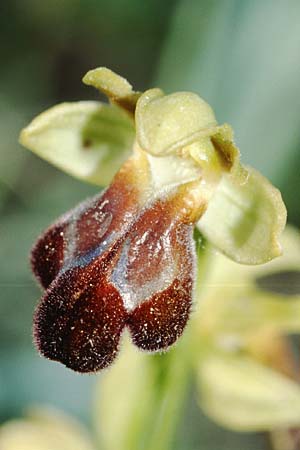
(242, 56)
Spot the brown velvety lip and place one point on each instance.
(114, 262)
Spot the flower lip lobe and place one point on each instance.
(90, 228)
(80, 319)
(48, 253)
(155, 278)
(157, 323)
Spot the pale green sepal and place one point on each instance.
(88, 140)
(241, 394)
(165, 124)
(115, 87)
(44, 429)
(245, 218)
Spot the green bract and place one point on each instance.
(179, 134)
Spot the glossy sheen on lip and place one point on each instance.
(115, 261)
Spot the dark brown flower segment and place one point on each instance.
(81, 317)
(117, 260)
(91, 226)
(155, 274)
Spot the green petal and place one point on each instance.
(241, 394)
(115, 87)
(88, 140)
(245, 218)
(167, 123)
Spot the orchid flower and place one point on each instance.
(126, 258)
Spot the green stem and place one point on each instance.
(171, 394)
